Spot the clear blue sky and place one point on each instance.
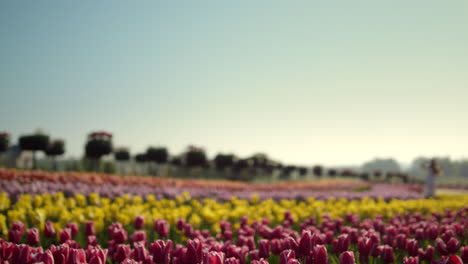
(330, 82)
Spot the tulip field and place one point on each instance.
(70, 218)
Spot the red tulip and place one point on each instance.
(162, 227)
(194, 251)
(161, 251)
(119, 235)
(264, 248)
(138, 236)
(89, 229)
(232, 260)
(139, 222)
(254, 255)
(14, 236)
(45, 257)
(464, 254)
(260, 261)
(410, 260)
(65, 234)
(426, 255)
(140, 253)
(6, 250)
(441, 247)
(286, 255)
(96, 252)
(320, 254)
(387, 254)
(214, 257)
(77, 256)
(91, 241)
(341, 244)
(49, 230)
(412, 247)
(61, 253)
(453, 245)
(33, 236)
(122, 252)
(347, 257)
(454, 259)
(74, 228)
(21, 254)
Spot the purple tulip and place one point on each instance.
(89, 229)
(161, 250)
(33, 236)
(286, 255)
(49, 230)
(347, 257)
(139, 222)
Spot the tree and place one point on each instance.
(158, 155)
(56, 148)
(35, 142)
(121, 155)
(98, 145)
(141, 159)
(195, 157)
(381, 164)
(332, 173)
(224, 161)
(318, 170)
(4, 141)
(302, 171)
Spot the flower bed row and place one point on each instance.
(52, 228)
(35, 182)
(405, 238)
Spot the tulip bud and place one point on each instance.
(138, 236)
(77, 256)
(140, 253)
(432, 232)
(18, 226)
(464, 254)
(162, 227)
(91, 241)
(180, 224)
(89, 229)
(387, 254)
(412, 247)
(341, 244)
(454, 259)
(139, 222)
(33, 236)
(290, 243)
(441, 247)
(320, 255)
(61, 253)
(65, 234)
(14, 236)
(232, 260)
(285, 255)
(45, 257)
(254, 255)
(96, 252)
(21, 254)
(122, 252)
(49, 230)
(453, 245)
(74, 228)
(275, 246)
(120, 236)
(410, 260)
(260, 261)
(194, 251)
(347, 257)
(264, 248)
(214, 257)
(305, 243)
(161, 251)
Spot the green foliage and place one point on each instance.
(122, 155)
(141, 157)
(35, 142)
(223, 161)
(4, 142)
(195, 158)
(318, 170)
(158, 155)
(55, 148)
(96, 148)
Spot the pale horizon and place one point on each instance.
(327, 82)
